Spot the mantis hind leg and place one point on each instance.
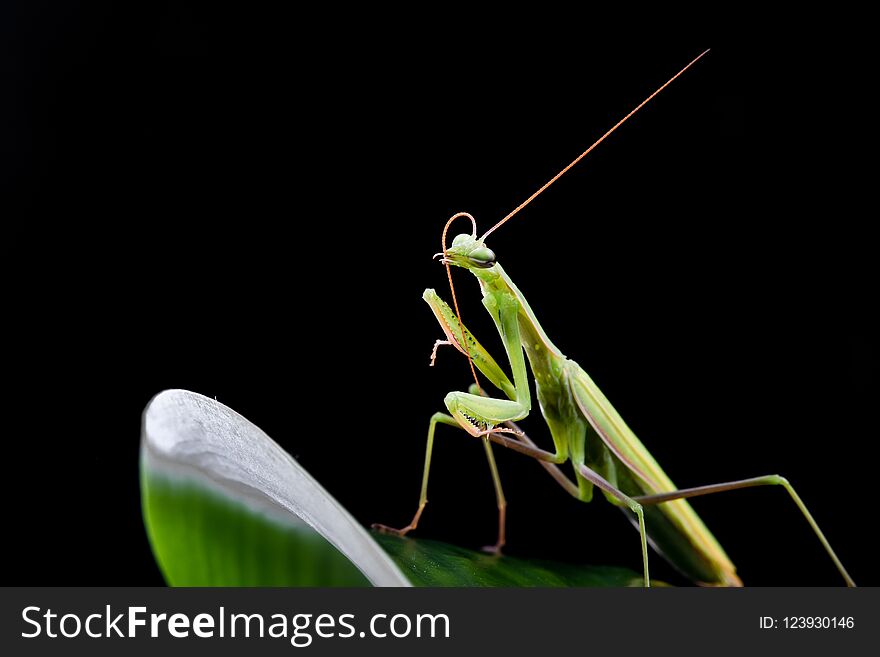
(767, 480)
(443, 418)
(633, 503)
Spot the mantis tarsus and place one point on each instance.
(585, 427)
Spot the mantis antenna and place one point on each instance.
(452, 287)
(596, 143)
(534, 196)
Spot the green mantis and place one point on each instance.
(586, 429)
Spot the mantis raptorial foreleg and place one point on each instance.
(476, 413)
(437, 345)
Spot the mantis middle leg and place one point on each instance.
(443, 418)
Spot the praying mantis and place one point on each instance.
(585, 428)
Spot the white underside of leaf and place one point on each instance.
(187, 435)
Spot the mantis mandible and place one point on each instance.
(585, 427)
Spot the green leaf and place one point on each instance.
(432, 563)
(202, 538)
(224, 505)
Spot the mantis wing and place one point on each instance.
(675, 529)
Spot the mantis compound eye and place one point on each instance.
(482, 257)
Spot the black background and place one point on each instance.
(245, 205)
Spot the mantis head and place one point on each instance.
(469, 252)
